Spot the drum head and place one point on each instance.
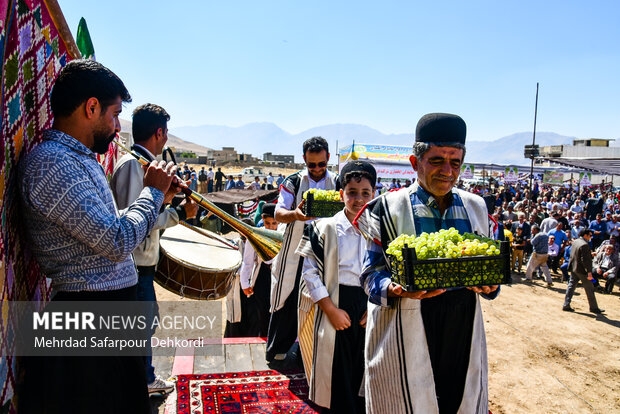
(199, 252)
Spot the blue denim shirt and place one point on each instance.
(76, 233)
(540, 243)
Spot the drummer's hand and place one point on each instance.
(483, 289)
(249, 291)
(159, 175)
(299, 213)
(397, 290)
(191, 208)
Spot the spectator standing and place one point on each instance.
(613, 226)
(255, 185)
(378, 187)
(219, 180)
(580, 266)
(550, 223)
(518, 245)
(598, 231)
(540, 245)
(230, 184)
(210, 177)
(240, 184)
(202, 181)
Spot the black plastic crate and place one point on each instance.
(445, 273)
(321, 208)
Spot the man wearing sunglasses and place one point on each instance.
(284, 292)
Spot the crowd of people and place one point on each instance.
(209, 181)
(367, 345)
(543, 225)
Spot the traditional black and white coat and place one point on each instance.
(317, 336)
(398, 372)
(284, 272)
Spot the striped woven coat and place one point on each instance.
(287, 262)
(398, 372)
(317, 336)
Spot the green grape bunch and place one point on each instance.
(442, 244)
(323, 195)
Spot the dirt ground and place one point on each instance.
(544, 360)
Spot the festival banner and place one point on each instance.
(391, 153)
(585, 179)
(467, 171)
(390, 161)
(511, 175)
(553, 177)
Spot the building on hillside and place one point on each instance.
(287, 159)
(225, 154)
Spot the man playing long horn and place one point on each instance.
(150, 133)
(285, 277)
(425, 351)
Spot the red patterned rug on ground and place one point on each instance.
(243, 392)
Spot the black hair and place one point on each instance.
(81, 80)
(316, 144)
(583, 232)
(269, 210)
(357, 176)
(146, 120)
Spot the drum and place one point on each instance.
(195, 266)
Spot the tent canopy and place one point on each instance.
(608, 166)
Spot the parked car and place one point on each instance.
(249, 173)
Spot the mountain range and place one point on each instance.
(259, 138)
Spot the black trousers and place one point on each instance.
(254, 310)
(348, 366)
(283, 323)
(448, 323)
(84, 384)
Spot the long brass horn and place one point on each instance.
(267, 243)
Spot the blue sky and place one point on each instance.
(381, 64)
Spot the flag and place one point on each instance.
(83, 41)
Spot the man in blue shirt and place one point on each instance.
(599, 230)
(540, 246)
(240, 184)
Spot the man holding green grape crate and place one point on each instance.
(287, 270)
(425, 350)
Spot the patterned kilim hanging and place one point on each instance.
(34, 51)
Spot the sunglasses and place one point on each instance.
(312, 165)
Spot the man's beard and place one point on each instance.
(317, 177)
(102, 142)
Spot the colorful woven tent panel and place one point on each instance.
(36, 44)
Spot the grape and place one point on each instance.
(442, 244)
(323, 195)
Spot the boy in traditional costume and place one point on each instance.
(253, 288)
(425, 351)
(331, 334)
(287, 272)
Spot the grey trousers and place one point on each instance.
(588, 286)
